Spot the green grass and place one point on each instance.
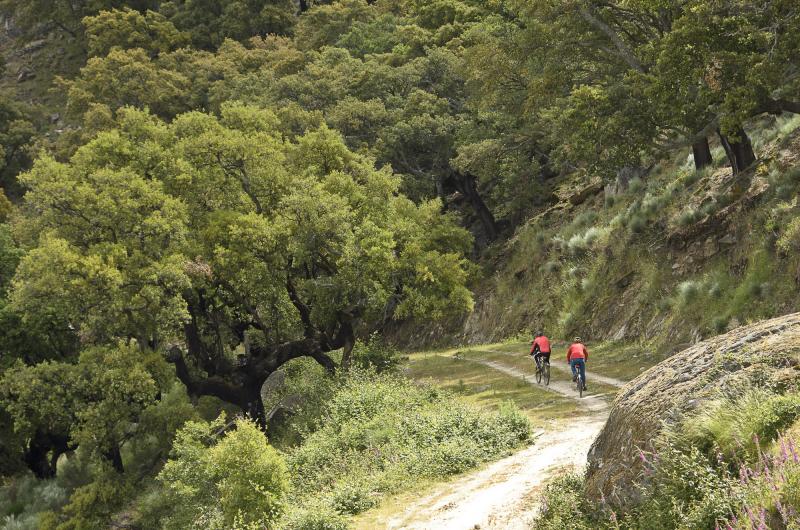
(623, 361)
(488, 388)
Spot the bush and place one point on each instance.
(315, 516)
(381, 433)
(551, 267)
(719, 324)
(688, 217)
(24, 500)
(237, 482)
(375, 354)
(740, 427)
(702, 476)
(563, 506)
(689, 292)
(636, 185)
(789, 240)
(637, 223)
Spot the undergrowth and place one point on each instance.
(381, 433)
(735, 465)
(658, 257)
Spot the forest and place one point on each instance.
(220, 220)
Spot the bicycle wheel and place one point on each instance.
(546, 374)
(580, 386)
(538, 374)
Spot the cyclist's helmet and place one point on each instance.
(578, 339)
(539, 334)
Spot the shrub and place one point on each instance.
(551, 267)
(375, 354)
(315, 516)
(380, 433)
(685, 490)
(584, 219)
(688, 217)
(688, 292)
(25, 500)
(563, 506)
(636, 185)
(637, 223)
(652, 205)
(719, 324)
(741, 427)
(790, 238)
(715, 290)
(239, 481)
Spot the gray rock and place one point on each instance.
(275, 382)
(680, 383)
(33, 46)
(24, 75)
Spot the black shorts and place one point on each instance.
(543, 355)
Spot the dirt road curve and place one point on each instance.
(505, 495)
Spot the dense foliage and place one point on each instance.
(216, 189)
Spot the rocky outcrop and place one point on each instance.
(764, 353)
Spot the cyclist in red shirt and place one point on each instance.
(540, 349)
(577, 355)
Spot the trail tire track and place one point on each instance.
(506, 494)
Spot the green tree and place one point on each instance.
(17, 133)
(210, 22)
(217, 479)
(127, 77)
(95, 402)
(65, 14)
(235, 250)
(127, 28)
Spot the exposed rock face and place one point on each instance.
(766, 352)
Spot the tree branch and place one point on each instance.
(624, 51)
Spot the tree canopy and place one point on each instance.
(231, 247)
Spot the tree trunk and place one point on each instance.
(43, 452)
(467, 185)
(255, 407)
(349, 343)
(115, 458)
(702, 154)
(740, 151)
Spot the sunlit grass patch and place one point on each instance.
(489, 388)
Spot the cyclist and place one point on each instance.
(540, 349)
(577, 355)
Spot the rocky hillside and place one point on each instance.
(666, 258)
(766, 354)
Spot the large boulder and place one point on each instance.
(764, 353)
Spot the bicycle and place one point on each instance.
(542, 371)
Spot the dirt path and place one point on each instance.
(505, 494)
(591, 402)
(563, 367)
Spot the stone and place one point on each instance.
(728, 239)
(33, 46)
(55, 117)
(674, 387)
(24, 75)
(275, 382)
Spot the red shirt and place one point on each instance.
(577, 351)
(543, 343)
